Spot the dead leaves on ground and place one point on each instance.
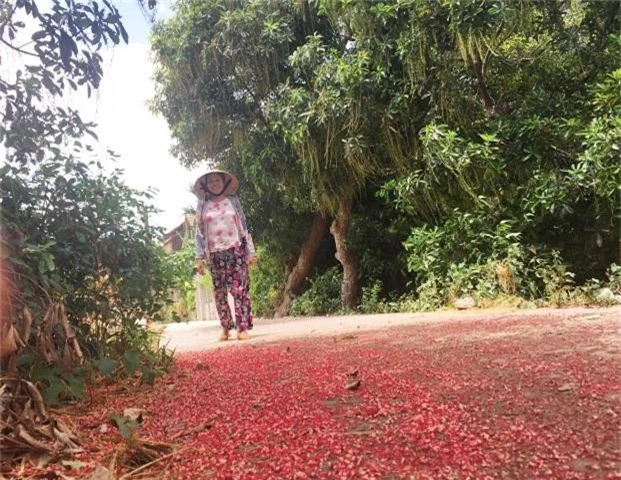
(31, 437)
(26, 429)
(139, 454)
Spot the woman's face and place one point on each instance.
(215, 183)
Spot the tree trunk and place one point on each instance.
(8, 344)
(350, 288)
(305, 263)
(478, 65)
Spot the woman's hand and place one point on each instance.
(252, 262)
(200, 266)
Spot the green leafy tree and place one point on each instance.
(218, 65)
(505, 143)
(79, 262)
(73, 237)
(486, 122)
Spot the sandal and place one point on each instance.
(243, 335)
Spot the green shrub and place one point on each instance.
(614, 278)
(266, 283)
(371, 301)
(323, 295)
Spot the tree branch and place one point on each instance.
(479, 71)
(17, 49)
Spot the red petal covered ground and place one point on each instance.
(509, 399)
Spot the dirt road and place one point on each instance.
(197, 336)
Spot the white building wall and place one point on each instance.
(206, 305)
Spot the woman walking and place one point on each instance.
(225, 245)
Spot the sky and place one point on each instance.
(127, 126)
(140, 138)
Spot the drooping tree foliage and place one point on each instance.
(508, 187)
(489, 129)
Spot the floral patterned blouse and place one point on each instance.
(221, 225)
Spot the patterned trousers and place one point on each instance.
(229, 272)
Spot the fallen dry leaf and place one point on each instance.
(133, 414)
(72, 464)
(353, 385)
(101, 473)
(198, 428)
(566, 387)
(353, 380)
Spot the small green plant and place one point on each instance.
(371, 301)
(57, 385)
(180, 275)
(587, 294)
(430, 295)
(614, 278)
(266, 283)
(127, 427)
(555, 278)
(323, 295)
(600, 292)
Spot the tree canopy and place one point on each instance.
(490, 129)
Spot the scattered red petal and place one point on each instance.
(511, 399)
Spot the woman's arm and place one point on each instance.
(201, 244)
